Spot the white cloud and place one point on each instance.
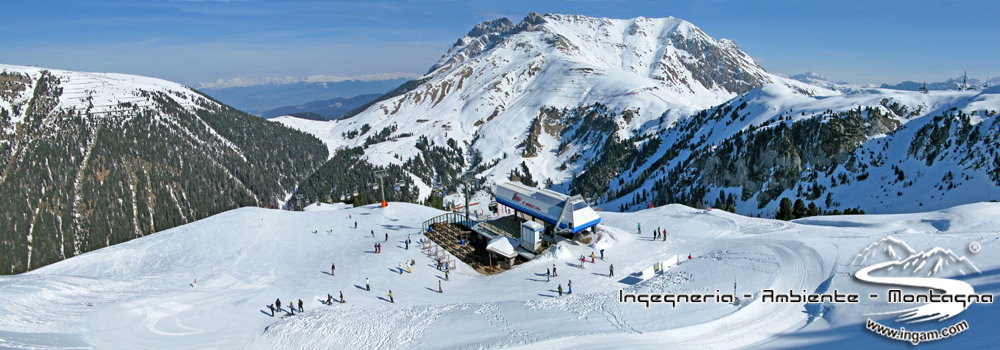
(242, 82)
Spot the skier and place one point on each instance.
(547, 278)
(333, 266)
(583, 260)
(341, 297)
(355, 225)
(367, 286)
(300, 305)
(278, 303)
(639, 227)
(272, 309)
(445, 275)
(373, 233)
(591, 257)
(399, 266)
(602, 254)
(611, 270)
(329, 299)
(560, 290)
(664, 236)
(291, 308)
(386, 236)
(570, 286)
(408, 268)
(554, 274)
(439, 287)
(407, 244)
(390, 297)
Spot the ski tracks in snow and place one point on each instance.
(348, 327)
(752, 324)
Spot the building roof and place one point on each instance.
(504, 246)
(532, 225)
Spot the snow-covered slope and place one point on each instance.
(628, 112)
(94, 159)
(883, 151)
(487, 90)
(208, 284)
(101, 92)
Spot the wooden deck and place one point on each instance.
(449, 237)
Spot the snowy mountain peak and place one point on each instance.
(887, 249)
(672, 52)
(633, 111)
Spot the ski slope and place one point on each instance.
(142, 293)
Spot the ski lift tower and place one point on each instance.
(467, 179)
(381, 174)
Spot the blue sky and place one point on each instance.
(195, 42)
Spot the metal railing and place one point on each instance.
(451, 218)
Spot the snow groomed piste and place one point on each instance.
(140, 293)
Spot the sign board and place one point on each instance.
(647, 273)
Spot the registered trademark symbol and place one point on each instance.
(974, 247)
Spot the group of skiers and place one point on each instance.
(291, 306)
(409, 263)
(548, 276)
(329, 298)
(660, 233)
(569, 285)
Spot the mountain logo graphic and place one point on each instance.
(892, 262)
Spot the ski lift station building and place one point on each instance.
(509, 238)
(559, 212)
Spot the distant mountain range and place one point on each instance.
(950, 84)
(322, 110)
(259, 99)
